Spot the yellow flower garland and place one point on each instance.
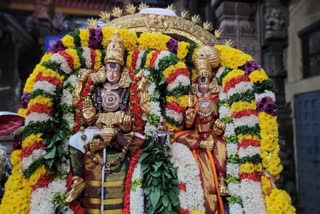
(97, 63)
(258, 76)
(18, 192)
(269, 143)
(84, 37)
(231, 75)
(157, 41)
(68, 41)
(232, 57)
(279, 202)
(76, 61)
(250, 168)
(182, 50)
(183, 100)
(243, 105)
(40, 100)
(31, 139)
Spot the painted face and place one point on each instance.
(113, 72)
(203, 84)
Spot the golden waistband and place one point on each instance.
(105, 184)
(105, 201)
(98, 211)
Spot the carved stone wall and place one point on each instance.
(237, 21)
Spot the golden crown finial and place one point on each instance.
(171, 7)
(218, 34)
(105, 16)
(206, 58)
(196, 19)
(92, 23)
(142, 6)
(115, 49)
(131, 9)
(208, 26)
(185, 14)
(230, 43)
(116, 12)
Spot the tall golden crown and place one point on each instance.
(205, 59)
(115, 49)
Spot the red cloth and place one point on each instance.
(9, 122)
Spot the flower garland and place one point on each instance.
(232, 166)
(191, 194)
(248, 107)
(133, 194)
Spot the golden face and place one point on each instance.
(113, 72)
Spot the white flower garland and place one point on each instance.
(86, 54)
(42, 198)
(36, 117)
(188, 174)
(136, 194)
(252, 198)
(63, 63)
(180, 80)
(161, 55)
(250, 121)
(35, 155)
(232, 169)
(140, 55)
(239, 88)
(266, 93)
(46, 86)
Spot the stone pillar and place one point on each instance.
(237, 21)
(272, 20)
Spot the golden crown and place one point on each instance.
(206, 58)
(115, 49)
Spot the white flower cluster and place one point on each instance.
(180, 80)
(266, 93)
(252, 198)
(63, 63)
(35, 155)
(161, 55)
(188, 174)
(137, 195)
(37, 117)
(139, 59)
(45, 86)
(87, 56)
(232, 169)
(42, 198)
(239, 88)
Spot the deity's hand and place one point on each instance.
(108, 134)
(190, 117)
(95, 145)
(77, 187)
(78, 89)
(88, 111)
(219, 127)
(126, 124)
(207, 144)
(144, 102)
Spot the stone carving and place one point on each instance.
(275, 24)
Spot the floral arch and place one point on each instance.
(41, 172)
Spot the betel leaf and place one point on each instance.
(50, 154)
(154, 197)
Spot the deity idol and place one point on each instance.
(203, 134)
(99, 153)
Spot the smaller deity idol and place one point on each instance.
(204, 130)
(99, 153)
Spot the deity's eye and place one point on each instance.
(112, 65)
(161, 123)
(203, 79)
